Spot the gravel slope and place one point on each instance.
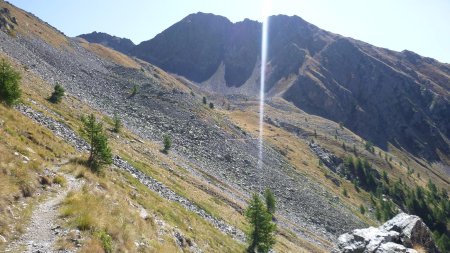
(199, 139)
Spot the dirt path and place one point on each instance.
(40, 235)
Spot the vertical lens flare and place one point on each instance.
(265, 25)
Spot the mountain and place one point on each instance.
(387, 97)
(326, 179)
(122, 45)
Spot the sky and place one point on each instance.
(422, 26)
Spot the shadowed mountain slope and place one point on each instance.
(382, 95)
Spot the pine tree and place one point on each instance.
(99, 153)
(167, 141)
(443, 242)
(117, 123)
(270, 201)
(9, 84)
(204, 100)
(261, 236)
(57, 95)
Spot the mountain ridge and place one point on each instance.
(320, 72)
(122, 45)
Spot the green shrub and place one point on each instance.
(57, 95)
(167, 141)
(60, 180)
(362, 210)
(106, 240)
(9, 84)
(270, 201)
(84, 221)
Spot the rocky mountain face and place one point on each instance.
(207, 41)
(403, 233)
(122, 45)
(384, 96)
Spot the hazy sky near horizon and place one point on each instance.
(417, 25)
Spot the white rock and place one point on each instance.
(391, 247)
(397, 235)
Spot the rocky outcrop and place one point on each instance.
(329, 159)
(7, 22)
(403, 233)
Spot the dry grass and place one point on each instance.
(92, 246)
(110, 54)
(30, 26)
(288, 242)
(112, 204)
(101, 206)
(59, 179)
(25, 149)
(420, 249)
(207, 196)
(164, 79)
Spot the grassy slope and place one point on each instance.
(110, 54)
(116, 189)
(25, 150)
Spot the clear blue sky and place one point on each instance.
(422, 26)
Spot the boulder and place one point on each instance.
(400, 234)
(391, 247)
(413, 231)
